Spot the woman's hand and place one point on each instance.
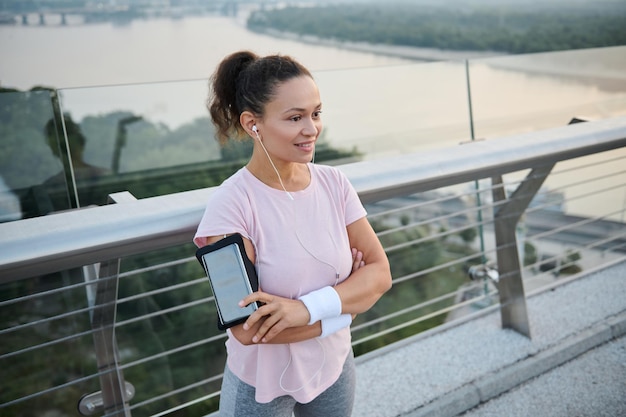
(357, 260)
(367, 283)
(357, 263)
(279, 313)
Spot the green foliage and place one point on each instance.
(530, 254)
(25, 157)
(468, 235)
(502, 28)
(572, 256)
(569, 264)
(410, 251)
(55, 363)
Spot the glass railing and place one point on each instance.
(71, 147)
(31, 162)
(528, 93)
(154, 139)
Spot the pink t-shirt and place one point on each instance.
(301, 245)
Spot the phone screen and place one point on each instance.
(229, 282)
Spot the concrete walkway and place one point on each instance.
(592, 385)
(455, 368)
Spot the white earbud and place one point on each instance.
(256, 132)
(254, 129)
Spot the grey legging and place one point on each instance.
(237, 399)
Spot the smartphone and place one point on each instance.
(231, 279)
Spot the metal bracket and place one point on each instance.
(510, 286)
(89, 404)
(482, 271)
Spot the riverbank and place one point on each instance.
(396, 51)
(598, 66)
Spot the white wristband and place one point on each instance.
(334, 324)
(323, 303)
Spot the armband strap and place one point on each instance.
(323, 303)
(334, 324)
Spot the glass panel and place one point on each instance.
(522, 93)
(431, 241)
(154, 139)
(47, 345)
(167, 331)
(32, 174)
(390, 111)
(149, 139)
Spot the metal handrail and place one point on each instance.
(71, 239)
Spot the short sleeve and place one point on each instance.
(354, 207)
(225, 213)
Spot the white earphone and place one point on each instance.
(256, 132)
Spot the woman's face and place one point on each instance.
(292, 121)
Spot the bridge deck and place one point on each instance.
(448, 371)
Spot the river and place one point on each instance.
(382, 104)
(393, 94)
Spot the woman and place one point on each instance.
(299, 222)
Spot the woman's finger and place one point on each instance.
(270, 328)
(281, 313)
(259, 297)
(357, 259)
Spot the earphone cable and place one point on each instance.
(282, 375)
(273, 166)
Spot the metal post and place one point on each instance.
(114, 399)
(479, 205)
(510, 286)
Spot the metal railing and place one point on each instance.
(410, 205)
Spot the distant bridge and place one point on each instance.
(59, 16)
